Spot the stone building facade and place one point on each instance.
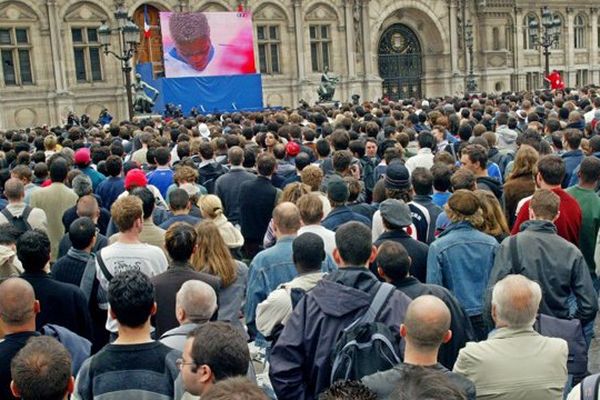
(51, 61)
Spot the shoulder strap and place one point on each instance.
(26, 212)
(589, 387)
(384, 291)
(103, 268)
(514, 255)
(7, 214)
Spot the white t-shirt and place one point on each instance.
(121, 257)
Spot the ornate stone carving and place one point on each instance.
(14, 11)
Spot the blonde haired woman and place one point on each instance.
(213, 257)
(212, 209)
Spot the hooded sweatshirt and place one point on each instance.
(301, 359)
(490, 184)
(507, 138)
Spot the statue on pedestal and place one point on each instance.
(142, 103)
(326, 89)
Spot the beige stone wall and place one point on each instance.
(500, 62)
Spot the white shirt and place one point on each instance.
(324, 233)
(121, 257)
(423, 158)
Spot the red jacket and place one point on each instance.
(568, 223)
(556, 81)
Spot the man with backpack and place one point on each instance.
(19, 214)
(315, 347)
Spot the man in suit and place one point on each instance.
(515, 362)
(257, 200)
(55, 200)
(227, 186)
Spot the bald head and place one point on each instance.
(286, 218)
(87, 206)
(17, 302)
(515, 302)
(14, 190)
(427, 322)
(197, 300)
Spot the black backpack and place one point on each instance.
(366, 346)
(19, 222)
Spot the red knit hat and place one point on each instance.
(135, 178)
(292, 149)
(82, 156)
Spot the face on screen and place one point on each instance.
(195, 53)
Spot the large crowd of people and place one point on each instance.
(444, 248)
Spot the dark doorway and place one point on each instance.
(400, 64)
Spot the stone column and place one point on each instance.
(367, 34)
(299, 30)
(453, 4)
(569, 48)
(518, 47)
(593, 44)
(57, 48)
(349, 31)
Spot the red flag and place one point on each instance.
(147, 32)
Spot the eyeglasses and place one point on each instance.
(180, 363)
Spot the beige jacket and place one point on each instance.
(231, 235)
(515, 364)
(54, 200)
(9, 263)
(277, 308)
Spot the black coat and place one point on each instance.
(415, 249)
(301, 358)
(257, 201)
(460, 325)
(166, 286)
(61, 304)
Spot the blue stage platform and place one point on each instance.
(209, 94)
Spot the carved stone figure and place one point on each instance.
(142, 103)
(326, 89)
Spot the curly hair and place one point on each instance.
(185, 174)
(312, 176)
(187, 27)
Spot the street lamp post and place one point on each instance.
(547, 37)
(129, 38)
(471, 84)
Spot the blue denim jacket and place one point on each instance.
(461, 260)
(269, 269)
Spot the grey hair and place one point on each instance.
(186, 27)
(516, 300)
(198, 300)
(82, 185)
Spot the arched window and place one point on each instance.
(270, 22)
(579, 32)
(557, 42)
(529, 35)
(83, 20)
(16, 39)
(322, 23)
